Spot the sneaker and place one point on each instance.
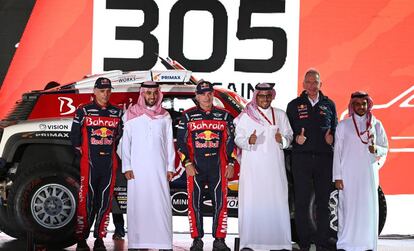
(99, 245)
(197, 245)
(220, 245)
(82, 246)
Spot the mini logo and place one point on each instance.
(111, 111)
(42, 127)
(179, 202)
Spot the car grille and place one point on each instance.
(23, 107)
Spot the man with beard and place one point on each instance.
(148, 161)
(262, 132)
(360, 143)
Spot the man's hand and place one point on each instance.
(129, 175)
(278, 136)
(253, 138)
(170, 176)
(190, 170)
(372, 148)
(229, 171)
(329, 137)
(300, 139)
(339, 184)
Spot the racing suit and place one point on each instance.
(96, 131)
(206, 138)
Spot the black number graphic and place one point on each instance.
(175, 50)
(276, 34)
(142, 33)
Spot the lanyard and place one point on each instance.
(366, 131)
(264, 116)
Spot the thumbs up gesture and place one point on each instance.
(300, 139)
(329, 137)
(253, 138)
(278, 136)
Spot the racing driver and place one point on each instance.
(96, 128)
(206, 148)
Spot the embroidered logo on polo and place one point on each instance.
(323, 110)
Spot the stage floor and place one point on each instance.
(182, 242)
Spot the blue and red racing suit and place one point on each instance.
(96, 130)
(206, 138)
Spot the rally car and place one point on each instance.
(39, 173)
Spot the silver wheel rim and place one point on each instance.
(53, 206)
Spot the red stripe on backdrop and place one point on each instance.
(51, 48)
(365, 45)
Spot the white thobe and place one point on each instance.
(264, 219)
(148, 150)
(358, 168)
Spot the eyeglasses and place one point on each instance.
(264, 96)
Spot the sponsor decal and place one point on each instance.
(322, 107)
(127, 79)
(179, 202)
(102, 132)
(218, 115)
(45, 127)
(80, 226)
(202, 125)
(207, 144)
(232, 202)
(302, 107)
(66, 106)
(170, 77)
(223, 228)
(102, 121)
(207, 135)
(52, 135)
(112, 111)
(103, 141)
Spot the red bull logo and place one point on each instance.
(207, 135)
(102, 132)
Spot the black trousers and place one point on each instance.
(312, 172)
